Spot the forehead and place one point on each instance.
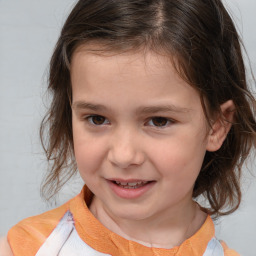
(129, 81)
(141, 55)
(94, 60)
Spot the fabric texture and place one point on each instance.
(72, 230)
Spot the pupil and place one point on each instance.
(159, 121)
(98, 120)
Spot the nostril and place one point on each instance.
(126, 158)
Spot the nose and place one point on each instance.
(125, 150)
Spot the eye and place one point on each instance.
(97, 120)
(159, 121)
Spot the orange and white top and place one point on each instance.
(72, 230)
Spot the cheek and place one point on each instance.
(179, 167)
(181, 157)
(89, 152)
(88, 158)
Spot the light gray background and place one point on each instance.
(28, 32)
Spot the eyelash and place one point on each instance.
(165, 119)
(150, 120)
(89, 120)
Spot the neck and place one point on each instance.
(170, 229)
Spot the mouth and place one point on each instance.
(131, 185)
(130, 189)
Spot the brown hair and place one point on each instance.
(201, 37)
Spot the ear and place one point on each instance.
(221, 126)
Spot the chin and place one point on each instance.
(131, 213)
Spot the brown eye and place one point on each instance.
(159, 121)
(97, 120)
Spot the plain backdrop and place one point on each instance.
(28, 32)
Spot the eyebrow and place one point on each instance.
(162, 108)
(86, 105)
(81, 105)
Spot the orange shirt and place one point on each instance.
(27, 237)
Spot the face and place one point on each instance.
(139, 132)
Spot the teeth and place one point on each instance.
(131, 184)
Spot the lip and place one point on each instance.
(128, 180)
(130, 193)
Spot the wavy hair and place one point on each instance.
(201, 39)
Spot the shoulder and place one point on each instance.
(5, 249)
(228, 251)
(29, 234)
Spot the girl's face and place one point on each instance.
(139, 132)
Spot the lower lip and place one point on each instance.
(130, 193)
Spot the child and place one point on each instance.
(151, 105)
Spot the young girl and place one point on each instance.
(151, 106)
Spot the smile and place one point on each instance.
(131, 185)
(130, 189)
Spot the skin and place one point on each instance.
(5, 249)
(125, 141)
(129, 143)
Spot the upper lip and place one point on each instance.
(129, 180)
